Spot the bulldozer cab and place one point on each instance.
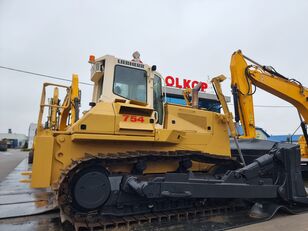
(117, 79)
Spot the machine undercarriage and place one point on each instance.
(89, 195)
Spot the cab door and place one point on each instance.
(158, 99)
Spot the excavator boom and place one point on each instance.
(242, 95)
(244, 77)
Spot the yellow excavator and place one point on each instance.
(244, 80)
(132, 158)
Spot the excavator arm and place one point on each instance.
(242, 95)
(245, 77)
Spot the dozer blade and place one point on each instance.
(18, 199)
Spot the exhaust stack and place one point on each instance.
(195, 97)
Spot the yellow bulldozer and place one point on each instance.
(133, 154)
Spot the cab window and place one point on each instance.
(130, 83)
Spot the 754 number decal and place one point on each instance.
(133, 118)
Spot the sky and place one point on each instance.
(187, 39)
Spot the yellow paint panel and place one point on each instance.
(136, 126)
(100, 119)
(42, 163)
(169, 136)
(187, 119)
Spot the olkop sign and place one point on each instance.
(183, 84)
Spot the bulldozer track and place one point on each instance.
(170, 217)
(164, 155)
(97, 220)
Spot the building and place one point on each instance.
(263, 135)
(31, 134)
(208, 101)
(285, 138)
(14, 140)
